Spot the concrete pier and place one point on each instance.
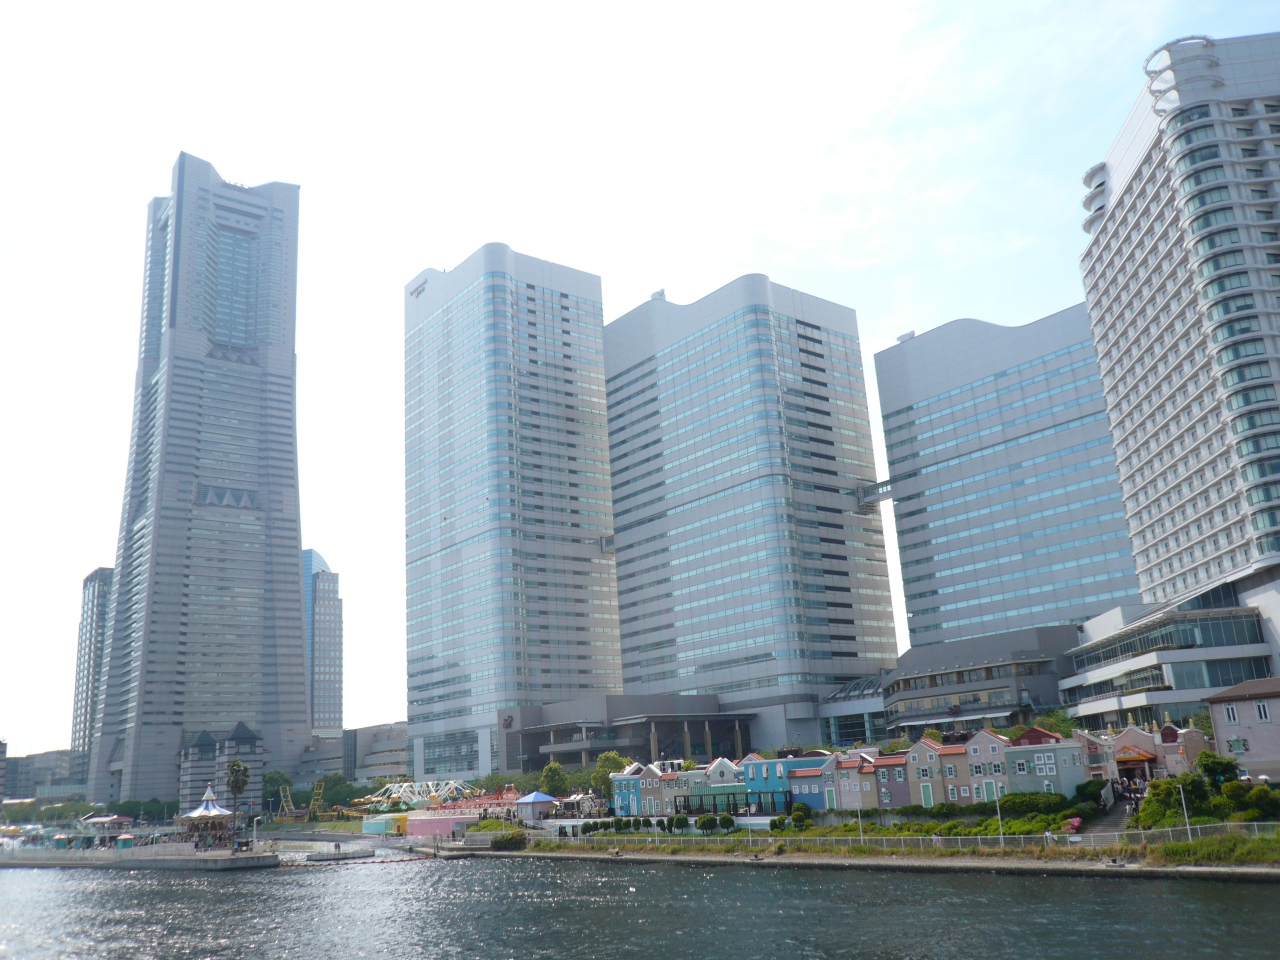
(137, 859)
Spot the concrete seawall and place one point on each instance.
(78, 861)
(908, 864)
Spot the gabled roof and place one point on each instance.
(805, 772)
(1270, 687)
(204, 740)
(1035, 736)
(952, 748)
(892, 760)
(752, 756)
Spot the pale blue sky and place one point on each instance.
(919, 164)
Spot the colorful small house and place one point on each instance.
(985, 768)
(1044, 762)
(892, 788)
(937, 773)
(856, 781)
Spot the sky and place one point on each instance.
(919, 162)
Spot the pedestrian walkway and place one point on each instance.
(1113, 821)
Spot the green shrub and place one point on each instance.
(618, 824)
(1221, 807)
(487, 826)
(510, 840)
(1235, 792)
(1262, 798)
(1035, 803)
(662, 824)
(803, 809)
(1090, 791)
(1245, 816)
(681, 822)
(635, 823)
(646, 823)
(1202, 821)
(727, 822)
(706, 823)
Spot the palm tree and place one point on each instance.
(238, 774)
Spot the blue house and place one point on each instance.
(772, 788)
(626, 791)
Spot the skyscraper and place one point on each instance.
(206, 608)
(95, 602)
(323, 607)
(510, 578)
(739, 437)
(1180, 275)
(1004, 482)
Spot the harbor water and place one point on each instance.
(521, 909)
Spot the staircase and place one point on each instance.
(1113, 821)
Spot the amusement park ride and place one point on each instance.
(425, 793)
(396, 796)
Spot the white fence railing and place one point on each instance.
(923, 842)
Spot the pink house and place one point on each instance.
(1246, 719)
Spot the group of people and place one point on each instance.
(1131, 792)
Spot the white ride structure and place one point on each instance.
(425, 793)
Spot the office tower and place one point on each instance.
(324, 644)
(1181, 274)
(95, 599)
(511, 590)
(1006, 498)
(739, 438)
(206, 609)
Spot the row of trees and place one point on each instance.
(707, 823)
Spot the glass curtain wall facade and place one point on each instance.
(1006, 497)
(95, 606)
(323, 606)
(511, 594)
(739, 437)
(1181, 274)
(206, 607)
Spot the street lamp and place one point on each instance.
(1185, 819)
(1000, 820)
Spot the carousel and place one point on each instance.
(208, 825)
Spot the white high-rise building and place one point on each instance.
(739, 436)
(1181, 275)
(512, 598)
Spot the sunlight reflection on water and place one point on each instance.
(502, 908)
